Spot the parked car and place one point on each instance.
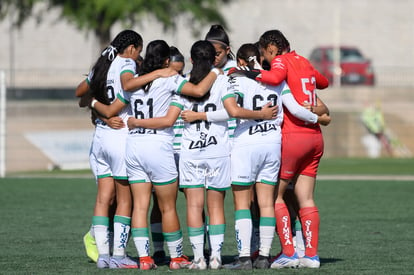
(355, 68)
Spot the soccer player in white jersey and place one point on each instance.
(177, 63)
(107, 159)
(225, 59)
(143, 168)
(113, 73)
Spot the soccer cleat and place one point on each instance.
(261, 262)
(214, 263)
(90, 247)
(284, 261)
(200, 264)
(147, 263)
(103, 261)
(242, 263)
(160, 258)
(310, 262)
(123, 262)
(179, 262)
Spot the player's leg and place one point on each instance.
(309, 216)
(309, 213)
(217, 225)
(287, 257)
(195, 223)
(267, 222)
(243, 226)
(122, 226)
(100, 220)
(167, 197)
(141, 192)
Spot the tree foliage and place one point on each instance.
(99, 16)
(19, 10)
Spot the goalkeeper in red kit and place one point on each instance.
(302, 145)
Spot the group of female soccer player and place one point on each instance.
(242, 127)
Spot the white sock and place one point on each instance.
(141, 241)
(102, 239)
(196, 236)
(216, 236)
(121, 234)
(243, 227)
(267, 231)
(174, 243)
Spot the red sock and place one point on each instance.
(309, 217)
(283, 228)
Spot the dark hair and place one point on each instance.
(176, 55)
(265, 65)
(246, 51)
(156, 53)
(101, 67)
(203, 55)
(217, 34)
(276, 38)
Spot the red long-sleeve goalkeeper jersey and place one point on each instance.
(303, 80)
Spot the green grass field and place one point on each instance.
(366, 226)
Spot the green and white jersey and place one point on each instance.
(252, 95)
(114, 89)
(202, 139)
(229, 64)
(232, 122)
(154, 103)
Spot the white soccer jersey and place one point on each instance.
(229, 64)
(202, 139)
(154, 103)
(232, 122)
(118, 66)
(107, 155)
(253, 95)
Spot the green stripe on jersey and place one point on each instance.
(123, 100)
(287, 91)
(181, 86)
(127, 71)
(177, 105)
(227, 96)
